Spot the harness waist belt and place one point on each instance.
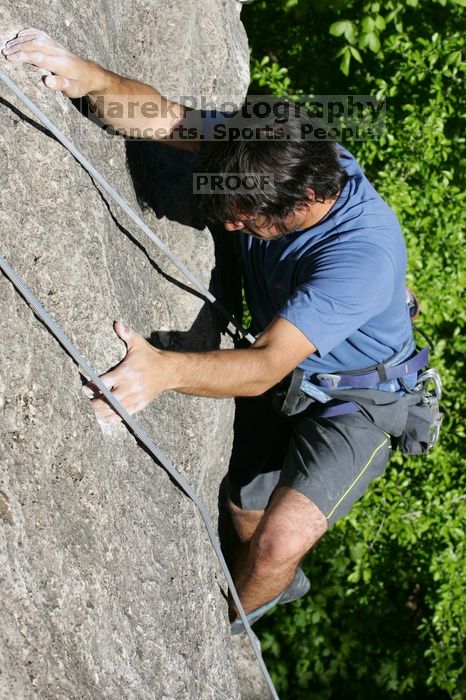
(370, 380)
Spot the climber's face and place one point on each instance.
(256, 226)
(260, 226)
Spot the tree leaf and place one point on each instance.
(373, 42)
(345, 62)
(339, 28)
(355, 53)
(367, 24)
(380, 22)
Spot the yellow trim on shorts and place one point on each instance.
(358, 476)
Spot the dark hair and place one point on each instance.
(284, 146)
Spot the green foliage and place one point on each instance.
(269, 74)
(386, 615)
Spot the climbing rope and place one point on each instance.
(92, 375)
(87, 165)
(145, 439)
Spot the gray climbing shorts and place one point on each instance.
(332, 461)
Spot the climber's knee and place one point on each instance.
(290, 527)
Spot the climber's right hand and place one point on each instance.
(71, 75)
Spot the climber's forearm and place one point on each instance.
(249, 372)
(146, 371)
(222, 373)
(133, 108)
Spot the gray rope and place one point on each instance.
(87, 165)
(144, 438)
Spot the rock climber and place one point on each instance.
(320, 392)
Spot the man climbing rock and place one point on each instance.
(321, 392)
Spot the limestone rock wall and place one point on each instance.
(109, 586)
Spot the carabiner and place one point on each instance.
(424, 379)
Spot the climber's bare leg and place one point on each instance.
(245, 521)
(267, 563)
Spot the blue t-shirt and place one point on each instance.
(341, 281)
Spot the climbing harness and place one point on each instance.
(401, 365)
(141, 435)
(87, 165)
(92, 375)
(329, 394)
(323, 387)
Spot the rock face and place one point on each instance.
(109, 585)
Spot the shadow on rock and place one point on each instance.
(163, 180)
(204, 334)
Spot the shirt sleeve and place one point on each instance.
(344, 291)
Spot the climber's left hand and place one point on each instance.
(136, 381)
